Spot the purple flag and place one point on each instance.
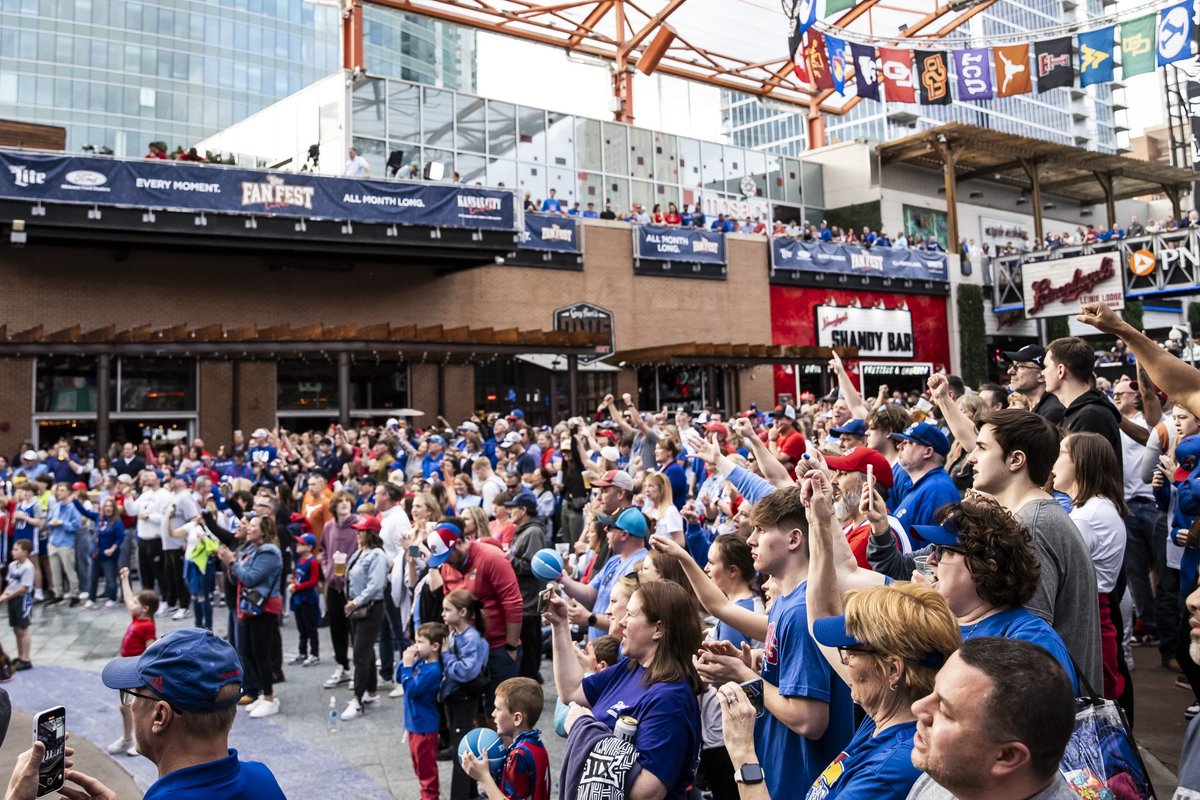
(974, 73)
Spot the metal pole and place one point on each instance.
(344, 389)
(573, 383)
(103, 379)
(441, 387)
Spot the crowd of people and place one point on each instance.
(893, 596)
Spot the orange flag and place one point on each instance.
(1012, 70)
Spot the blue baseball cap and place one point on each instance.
(945, 534)
(308, 539)
(441, 542)
(632, 521)
(855, 427)
(1187, 455)
(831, 632)
(437, 438)
(926, 434)
(187, 668)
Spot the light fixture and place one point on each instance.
(976, 194)
(18, 237)
(1022, 199)
(1048, 206)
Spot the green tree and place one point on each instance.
(971, 334)
(1057, 328)
(1134, 313)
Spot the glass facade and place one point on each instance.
(1082, 118)
(533, 150)
(123, 73)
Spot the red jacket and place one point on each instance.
(490, 577)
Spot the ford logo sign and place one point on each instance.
(86, 177)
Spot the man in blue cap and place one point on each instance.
(183, 694)
(923, 448)
(851, 435)
(431, 462)
(626, 531)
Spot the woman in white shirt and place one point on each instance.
(1088, 472)
(659, 505)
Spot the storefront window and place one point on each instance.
(65, 384)
(157, 384)
(693, 386)
(379, 386)
(306, 385)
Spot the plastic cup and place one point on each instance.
(339, 564)
(923, 566)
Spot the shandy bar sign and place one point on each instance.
(1059, 287)
(876, 332)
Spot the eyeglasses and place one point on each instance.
(940, 550)
(858, 651)
(1016, 367)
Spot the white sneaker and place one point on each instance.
(120, 746)
(308, 662)
(84, 596)
(180, 614)
(266, 708)
(338, 677)
(397, 692)
(370, 699)
(354, 710)
(39, 595)
(166, 611)
(252, 706)
(89, 605)
(109, 604)
(132, 751)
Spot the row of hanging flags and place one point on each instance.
(982, 73)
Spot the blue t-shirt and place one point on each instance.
(668, 715)
(879, 767)
(793, 663)
(262, 455)
(552, 204)
(901, 486)
(935, 489)
(226, 778)
(603, 581)
(725, 632)
(432, 465)
(1019, 622)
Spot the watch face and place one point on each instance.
(751, 773)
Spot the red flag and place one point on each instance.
(818, 62)
(799, 61)
(897, 67)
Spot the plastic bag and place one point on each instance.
(1101, 761)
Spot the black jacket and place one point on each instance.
(1093, 411)
(1051, 408)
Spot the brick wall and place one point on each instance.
(216, 416)
(16, 400)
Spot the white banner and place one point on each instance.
(876, 332)
(1057, 288)
(752, 207)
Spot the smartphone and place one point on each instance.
(50, 728)
(414, 550)
(544, 600)
(754, 693)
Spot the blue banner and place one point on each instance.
(848, 259)
(690, 245)
(551, 232)
(184, 186)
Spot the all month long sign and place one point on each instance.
(876, 332)
(1058, 287)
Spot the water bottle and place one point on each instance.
(333, 718)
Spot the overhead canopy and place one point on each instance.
(1063, 170)
(557, 363)
(435, 342)
(735, 355)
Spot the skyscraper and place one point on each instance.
(1080, 117)
(123, 73)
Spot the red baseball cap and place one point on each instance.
(719, 428)
(858, 458)
(367, 523)
(616, 477)
(79, 486)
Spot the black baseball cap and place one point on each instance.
(1033, 353)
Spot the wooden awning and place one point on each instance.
(381, 339)
(733, 355)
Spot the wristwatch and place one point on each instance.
(749, 774)
(591, 620)
(512, 648)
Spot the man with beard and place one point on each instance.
(849, 484)
(996, 725)
(923, 448)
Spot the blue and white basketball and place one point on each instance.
(483, 743)
(547, 564)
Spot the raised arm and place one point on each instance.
(750, 623)
(1180, 381)
(959, 423)
(768, 463)
(568, 674)
(854, 398)
(1152, 410)
(823, 594)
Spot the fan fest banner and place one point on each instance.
(848, 259)
(181, 186)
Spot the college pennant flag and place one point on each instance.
(799, 62)
(866, 70)
(896, 65)
(1096, 56)
(1137, 46)
(1053, 60)
(806, 15)
(1175, 33)
(1012, 70)
(834, 6)
(974, 75)
(818, 61)
(933, 74)
(835, 49)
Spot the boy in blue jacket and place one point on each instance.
(421, 677)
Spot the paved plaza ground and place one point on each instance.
(367, 758)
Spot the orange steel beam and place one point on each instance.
(352, 35)
(589, 23)
(649, 27)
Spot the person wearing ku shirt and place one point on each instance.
(64, 523)
(923, 448)
(810, 717)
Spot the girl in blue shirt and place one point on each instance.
(731, 567)
(463, 663)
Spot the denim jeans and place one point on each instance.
(1141, 526)
(201, 585)
(391, 637)
(108, 568)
